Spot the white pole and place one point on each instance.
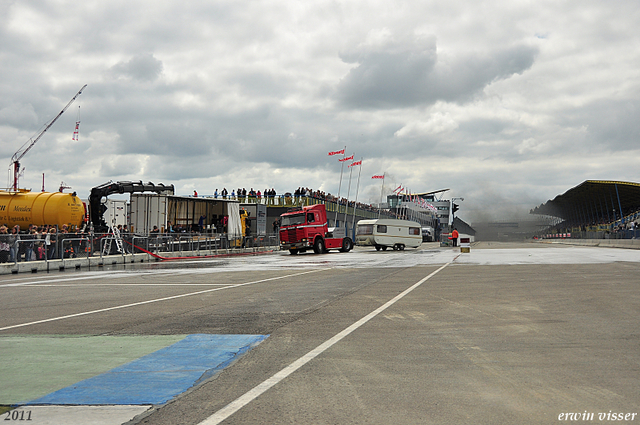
(344, 155)
(381, 189)
(412, 215)
(353, 222)
(348, 192)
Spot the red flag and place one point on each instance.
(337, 152)
(378, 177)
(349, 158)
(355, 163)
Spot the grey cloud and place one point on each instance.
(416, 75)
(479, 128)
(116, 167)
(164, 139)
(467, 75)
(142, 67)
(389, 77)
(610, 124)
(18, 115)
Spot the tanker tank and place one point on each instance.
(41, 208)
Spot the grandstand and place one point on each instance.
(595, 209)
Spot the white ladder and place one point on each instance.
(114, 235)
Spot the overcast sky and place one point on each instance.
(505, 103)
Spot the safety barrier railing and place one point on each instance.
(291, 200)
(195, 244)
(29, 248)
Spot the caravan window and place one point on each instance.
(381, 228)
(414, 231)
(365, 229)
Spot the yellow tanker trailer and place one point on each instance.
(25, 207)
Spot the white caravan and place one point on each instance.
(385, 233)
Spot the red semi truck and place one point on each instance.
(307, 228)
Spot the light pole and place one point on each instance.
(454, 208)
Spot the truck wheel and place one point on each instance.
(318, 246)
(378, 247)
(384, 248)
(293, 251)
(347, 245)
(401, 247)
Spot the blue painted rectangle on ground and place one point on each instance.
(158, 377)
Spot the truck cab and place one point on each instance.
(307, 228)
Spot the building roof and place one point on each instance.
(594, 199)
(463, 227)
(427, 193)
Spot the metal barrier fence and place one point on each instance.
(30, 248)
(617, 234)
(185, 244)
(306, 200)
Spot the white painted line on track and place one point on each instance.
(81, 285)
(69, 316)
(36, 282)
(254, 393)
(105, 275)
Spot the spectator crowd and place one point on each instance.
(270, 197)
(38, 243)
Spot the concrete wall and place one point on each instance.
(71, 263)
(108, 260)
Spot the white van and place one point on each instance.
(385, 233)
(428, 234)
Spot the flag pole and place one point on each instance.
(353, 222)
(346, 209)
(404, 206)
(344, 155)
(381, 190)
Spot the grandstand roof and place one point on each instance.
(594, 199)
(422, 194)
(431, 193)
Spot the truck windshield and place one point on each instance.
(292, 220)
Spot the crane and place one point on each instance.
(15, 159)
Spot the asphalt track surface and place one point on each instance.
(509, 333)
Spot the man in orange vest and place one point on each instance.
(454, 236)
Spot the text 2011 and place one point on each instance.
(18, 415)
